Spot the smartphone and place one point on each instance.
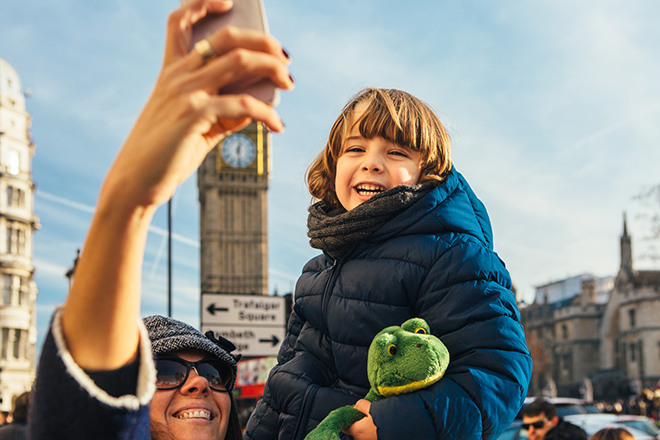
(248, 14)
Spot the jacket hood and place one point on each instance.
(451, 206)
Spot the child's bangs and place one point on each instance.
(387, 119)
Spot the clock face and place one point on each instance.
(238, 150)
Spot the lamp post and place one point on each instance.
(69, 273)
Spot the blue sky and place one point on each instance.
(553, 107)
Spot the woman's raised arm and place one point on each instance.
(182, 121)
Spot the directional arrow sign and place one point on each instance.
(273, 340)
(252, 310)
(212, 309)
(250, 341)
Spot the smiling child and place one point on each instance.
(402, 236)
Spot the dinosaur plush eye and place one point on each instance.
(420, 330)
(391, 350)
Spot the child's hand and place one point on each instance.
(363, 429)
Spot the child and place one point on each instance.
(402, 235)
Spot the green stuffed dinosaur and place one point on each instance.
(401, 360)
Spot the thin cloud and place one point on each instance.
(90, 209)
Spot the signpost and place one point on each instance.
(255, 323)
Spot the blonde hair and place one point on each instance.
(612, 433)
(394, 115)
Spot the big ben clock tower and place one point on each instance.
(232, 181)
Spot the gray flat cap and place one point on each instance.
(168, 335)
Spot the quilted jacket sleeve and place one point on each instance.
(467, 301)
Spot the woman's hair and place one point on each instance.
(234, 431)
(612, 433)
(394, 115)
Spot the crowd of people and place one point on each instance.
(541, 421)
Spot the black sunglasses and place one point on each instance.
(536, 425)
(172, 372)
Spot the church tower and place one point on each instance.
(626, 249)
(17, 225)
(233, 181)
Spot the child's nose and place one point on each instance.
(372, 162)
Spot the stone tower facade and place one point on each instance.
(232, 182)
(18, 332)
(600, 332)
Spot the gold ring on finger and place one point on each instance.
(205, 50)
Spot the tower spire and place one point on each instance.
(626, 248)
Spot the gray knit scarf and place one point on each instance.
(335, 230)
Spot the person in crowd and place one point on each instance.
(612, 433)
(166, 379)
(17, 428)
(403, 235)
(541, 422)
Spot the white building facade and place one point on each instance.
(18, 332)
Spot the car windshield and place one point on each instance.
(642, 425)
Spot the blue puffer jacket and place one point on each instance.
(435, 261)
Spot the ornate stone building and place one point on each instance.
(17, 225)
(233, 182)
(596, 337)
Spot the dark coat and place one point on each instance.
(13, 431)
(434, 261)
(566, 431)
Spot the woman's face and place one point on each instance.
(192, 411)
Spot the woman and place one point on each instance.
(98, 328)
(612, 433)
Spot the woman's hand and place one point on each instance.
(363, 429)
(182, 121)
(185, 117)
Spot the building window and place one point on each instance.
(15, 238)
(633, 351)
(17, 344)
(4, 342)
(13, 162)
(22, 291)
(15, 197)
(8, 290)
(631, 314)
(564, 331)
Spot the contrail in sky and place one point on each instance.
(90, 209)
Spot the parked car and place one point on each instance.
(641, 428)
(565, 406)
(581, 413)
(639, 422)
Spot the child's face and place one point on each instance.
(367, 167)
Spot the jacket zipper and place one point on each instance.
(327, 293)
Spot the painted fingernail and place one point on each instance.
(286, 54)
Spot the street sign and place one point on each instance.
(250, 310)
(254, 323)
(250, 341)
